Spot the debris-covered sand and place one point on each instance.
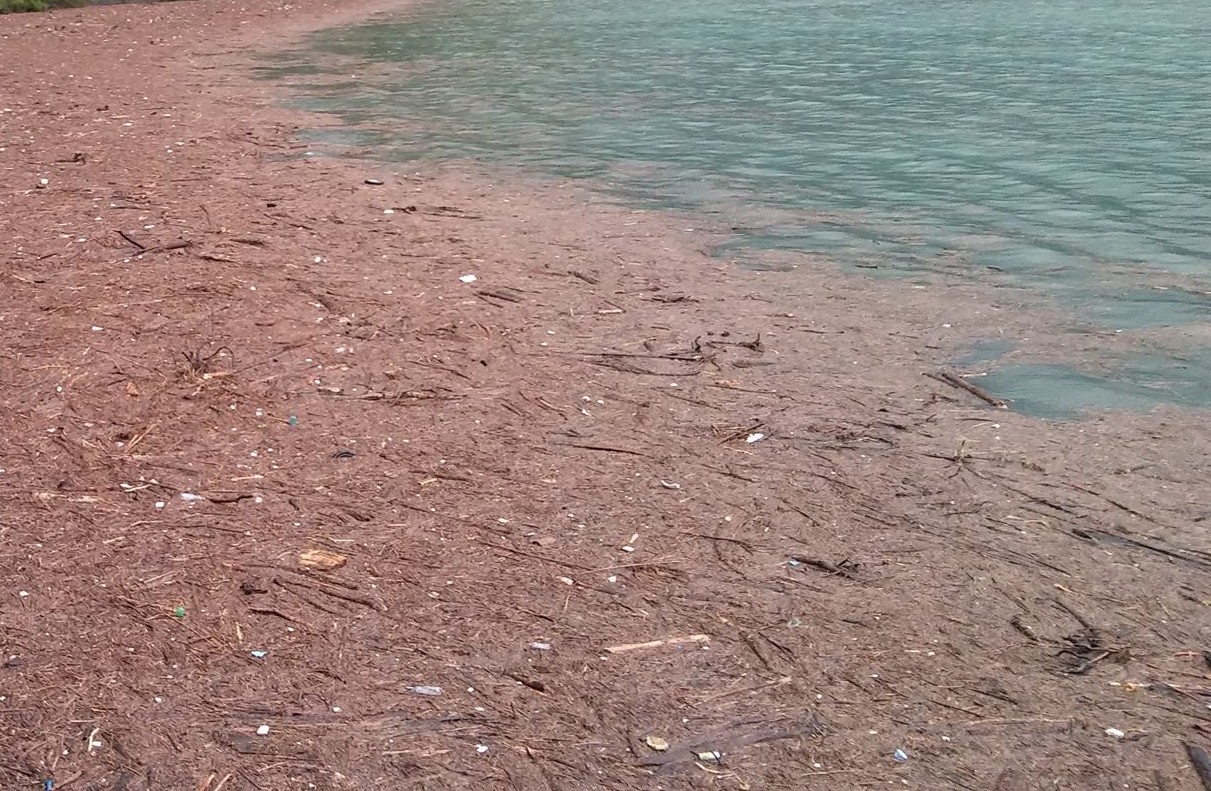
(274, 473)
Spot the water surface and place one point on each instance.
(1062, 144)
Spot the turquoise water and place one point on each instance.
(1062, 145)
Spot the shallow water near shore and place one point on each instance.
(1059, 147)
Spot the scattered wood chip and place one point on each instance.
(321, 560)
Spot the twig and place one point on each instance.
(606, 449)
(775, 683)
(1085, 666)
(497, 294)
(132, 240)
(439, 367)
(511, 550)
(178, 245)
(693, 638)
(1101, 536)
(1005, 721)
(271, 611)
(618, 364)
(826, 566)
(689, 358)
(954, 380)
(1080, 618)
(131, 447)
(336, 594)
(738, 541)
(741, 433)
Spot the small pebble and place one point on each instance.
(656, 743)
(263, 730)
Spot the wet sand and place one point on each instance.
(519, 478)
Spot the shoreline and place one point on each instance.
(1055, 360)
(554, 454)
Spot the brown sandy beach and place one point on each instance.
(535, 490)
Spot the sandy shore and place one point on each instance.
(222, 358)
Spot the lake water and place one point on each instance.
(1060, 145)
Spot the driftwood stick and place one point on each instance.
(954, 380)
